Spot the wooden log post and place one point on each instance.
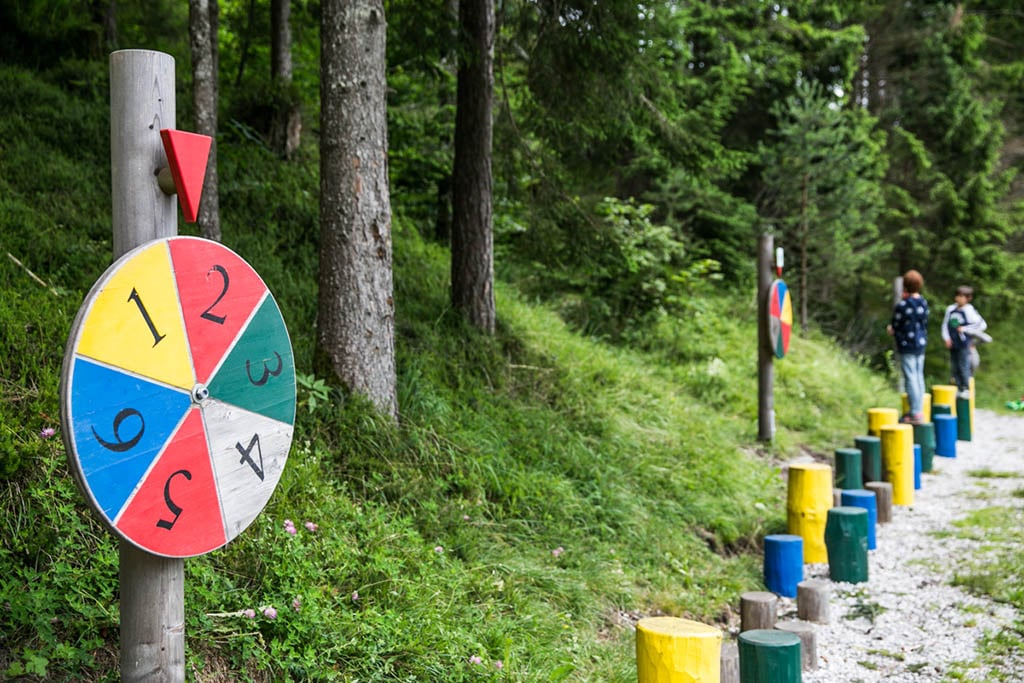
(944, 394)
(730, 672)
(670, 649)
(783, 563)
(898, 461)
(846, 536)
(769, 656)
(758, 610)
(849, 462)
(945, 435)
(863, 498)
(808, 641)
(808, 500)
(871, 453)
(877, 417)
(812, 600)
(883, 499)
(142, 101)
(765, 357)
(924, 436)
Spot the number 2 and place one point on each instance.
(207, 315)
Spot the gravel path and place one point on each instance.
(926, 628)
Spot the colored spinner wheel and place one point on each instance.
(178, 396)
(780, 317)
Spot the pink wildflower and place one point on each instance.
(250, 613)
(475, 660)
(355, 596)
(312, 527)
(558, 551)
(498, 664)
(438, 549)
(297, 604)
(270, 613)
(289, 526)
(47, 432)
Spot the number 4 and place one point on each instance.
(247, 457)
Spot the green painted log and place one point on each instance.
(871, 452)
(941, 409)
(848, 468)
(846, 541)
(963, 419)
(769, 657)
(924, 436)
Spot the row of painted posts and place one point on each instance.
(832, 513)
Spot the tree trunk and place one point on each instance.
(202, 26)
(472, 225)
(804, 266)
(448, 59)
(355, 327)
(286, 127)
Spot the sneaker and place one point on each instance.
(916, 419)
(963, 394)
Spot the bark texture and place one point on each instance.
(355, 334)
(202, 27)
(472, 218)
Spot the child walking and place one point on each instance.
(909, 327)
(962, 328)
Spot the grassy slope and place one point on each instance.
(543, 487)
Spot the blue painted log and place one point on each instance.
(945, 435)
(917, 466)
(783, 563)
(862, 498)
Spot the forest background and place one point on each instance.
(590, 459)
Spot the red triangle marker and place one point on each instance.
(187, 154)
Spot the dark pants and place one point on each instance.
(960, 359)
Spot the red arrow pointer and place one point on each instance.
(187, 154)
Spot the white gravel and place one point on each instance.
(926, 628)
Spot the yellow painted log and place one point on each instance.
(881, 416)
(946, 394)
(673, 650)
(808, 500)
(926, 406)
(898, 461)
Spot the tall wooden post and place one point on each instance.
(765, 360)
(142, 101)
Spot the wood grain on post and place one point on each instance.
(812, 600)
(883, 497)
(758, 610)
(730, 671)
(808, 641)
(142, 101)
(765, 357)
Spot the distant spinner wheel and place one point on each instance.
(780, 317)
(178, 396)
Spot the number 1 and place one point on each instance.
(134, 296)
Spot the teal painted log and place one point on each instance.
(769, 657)
(846, 541)
(941, 409)
(924, 435)
(848, 468)
(871, 457)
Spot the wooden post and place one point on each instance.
(142, 101)
(765, 357)
(758, 610)
(812, 600)
(808, 641)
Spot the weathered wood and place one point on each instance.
(142, 102)
(765, 357)
(883, 497)
(837, 497)
(812, 600)
(758, 610)
(730, 671)
(808, 641)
